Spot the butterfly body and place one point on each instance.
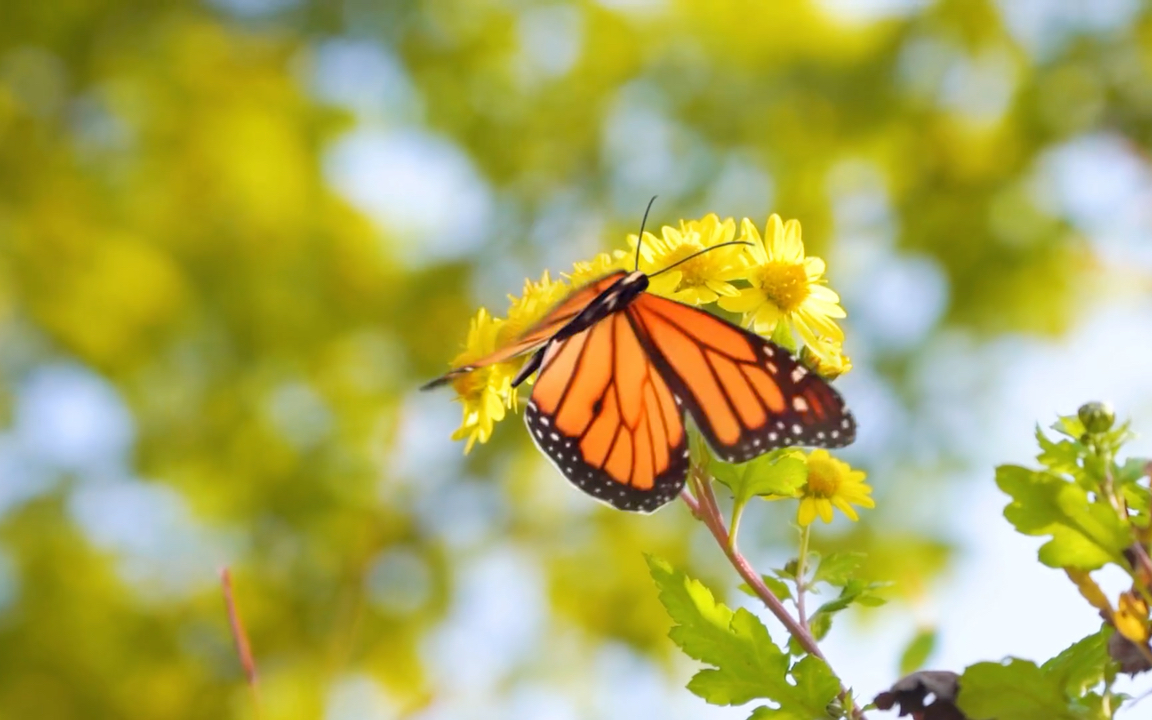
(620, 368)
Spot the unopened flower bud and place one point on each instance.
(1097, 417)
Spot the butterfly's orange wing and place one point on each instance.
(746, 394)
(603, 413)
(540, 333)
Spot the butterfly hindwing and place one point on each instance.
(605, 416)
(746, 394)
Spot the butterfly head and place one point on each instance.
(619, 295)
(635, 280)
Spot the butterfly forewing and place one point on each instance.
(556, 318)
(606, 417)
(746, 394)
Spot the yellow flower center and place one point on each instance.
(692, 273)
(470, 386)
(823, 477)
(785, 284)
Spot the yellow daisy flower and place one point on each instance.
(825, 358)
(702, 279)
(526, 310)
(604, 263)
(832, 483)
(785, 285)
(484, 393)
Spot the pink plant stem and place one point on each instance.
(240, 637)
(705, 508)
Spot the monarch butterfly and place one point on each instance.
(618, 369)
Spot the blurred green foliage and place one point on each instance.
(166, 221)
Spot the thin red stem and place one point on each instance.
(705, 507)
(240, 637)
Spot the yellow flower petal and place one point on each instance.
(823, 293)
(807, 512)
(832, 483)
(745, 300)
(787, 286)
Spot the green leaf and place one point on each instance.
(814, 680)
(1132, 470)
(746, 663)
(820, 624)
(837, 568)
(1117, 436)
(1082, 665)
(1060, 456)
(699, 449)
(1136, 497)
(917, 651)
(782, 336)
(1085, 535)
(855, 591)
(766, 713)
(1070, 426)
(1015, 690)
(780, 473)
(777, 587)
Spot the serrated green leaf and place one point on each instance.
(1061, 456)
(746, 663)
(1070, 426)
(1092, 707)
(917, 651)
(1132, 470)
(1136, 497)
(837, 568)
(767, 713)
(776, 587)
(1117, 436)
(727, 474)
(1085, 535)
(1081, 665)
(1015, 690)
(782, 478)
(814, 679)
(820, 624)
(855, 591)
(778, 474)
(749, 667)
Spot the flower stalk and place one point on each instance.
(702, 503)
(801, 573)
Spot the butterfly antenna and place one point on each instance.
(640, 237)
(698, 253)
